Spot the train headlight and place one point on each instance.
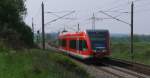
(103, 50)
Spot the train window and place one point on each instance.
(62, 42)
(72, 44)
(59, 42)
(82, 45)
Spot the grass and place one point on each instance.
(38, 64)
(141, 51)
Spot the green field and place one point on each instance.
(141, 51)
(38, 64)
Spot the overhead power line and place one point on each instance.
(114, 18)
(120, 5)
(110, 3)
(53, 13)
(59, 18)
(117, 11)
(59, 11)
(138, 0)
(144, 5)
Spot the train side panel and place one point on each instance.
(80, 45)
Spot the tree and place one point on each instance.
(12, 13)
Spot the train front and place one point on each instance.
(99, 42)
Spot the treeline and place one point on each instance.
(126, 39)
(13, 30)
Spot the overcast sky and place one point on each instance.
(84, 10)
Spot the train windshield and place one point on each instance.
(98, 39)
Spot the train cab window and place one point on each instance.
(98, 39)
(82, 45)
(72, 44)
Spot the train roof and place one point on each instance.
(85, 31)
(66, 33)
(100, 30)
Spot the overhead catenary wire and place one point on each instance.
(144, 5)
(69, 23)
(58, 11)
(117, 11)
(142, 8)
(117, 7)
(120, 6)
(113, 10)
(114, 2)
(114, 18)
(59, 18)
(52, 13)
(123, 4)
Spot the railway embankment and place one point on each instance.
(37, 63)
(106, 68)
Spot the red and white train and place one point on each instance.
(86, 44)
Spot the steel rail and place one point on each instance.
(124, 71)
(131, 73)
(145, 69)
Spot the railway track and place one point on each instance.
(140, 68)
(116, 67)
(134, 66)
(120, 72)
